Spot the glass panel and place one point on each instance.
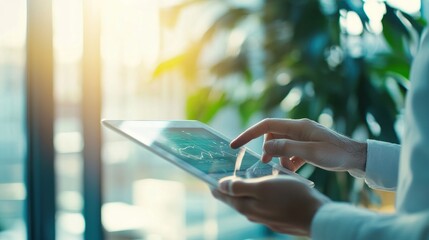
(68, 46)
(12, 119)
(145, 196)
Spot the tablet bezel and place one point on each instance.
(115, 125)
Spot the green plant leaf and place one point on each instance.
(385, 63)
(168, 65)
(395, 32)
(417, 24)
(204, 103)
(274, 95)
(248, 109)
(230, 65)
(186, 63)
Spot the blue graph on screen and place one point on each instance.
(197, 152)
(200, 148)
(207, 152)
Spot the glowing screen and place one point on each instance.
(208, 152)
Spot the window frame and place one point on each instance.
(40, 173)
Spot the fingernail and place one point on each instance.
(224, 185)
(268, 145)
(265, 157)
(232, 144)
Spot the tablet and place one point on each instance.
(198, 149)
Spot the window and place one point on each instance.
(12, 119)
(143, 196)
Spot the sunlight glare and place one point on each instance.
(373, 125)
(164, 203)
(291, 100)
(67, 30)
(12, 192)
(68, 142)
(326, 119)
(353, 23)
(374, 9)
(130, 32)
(13, 21)
(117, 216)
(70, 200)
(235, 41)
(71, 222)
(408, 6)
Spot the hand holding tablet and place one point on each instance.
(198, 149)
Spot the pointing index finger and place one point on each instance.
(271, 125)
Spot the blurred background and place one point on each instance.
(228, 63)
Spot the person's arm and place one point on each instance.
(342, 221)
(381, 171)
(411, 221)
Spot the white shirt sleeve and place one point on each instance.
(413, 182)
(337, 221)
(382, 163)
(343, 221)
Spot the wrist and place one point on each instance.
(359, 156)
(362, 149)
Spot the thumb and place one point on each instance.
(237, 187)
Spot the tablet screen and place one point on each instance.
(207, 152)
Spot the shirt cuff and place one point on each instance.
(381, 170)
